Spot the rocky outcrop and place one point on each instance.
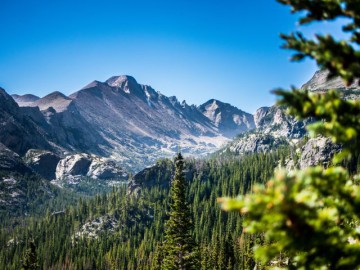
(317, 151)
(274, 128)
(19, 186)
(43, 162)
(159, 174)
(321, 81)
(276, 122)
(18, 132)
(106, 169)
(57, 100)
(11, 162)
(255, 143)
(97, 226)
(75, 167)
(259, 115)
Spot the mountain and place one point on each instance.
(58, 101)
(25, 100)
(20, 188)
(274, 127)
(130, 122)
(321, 82)
(18, 131)
(135, 125)
(228, 119)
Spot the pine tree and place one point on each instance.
(310, 218)
(158, 258)
(30, 261)
(179, 247)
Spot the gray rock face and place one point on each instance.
(104, 169)
(255, 143)
(74, 167)
(159, 174)
(274, 128)
(320, 82)
(260, 115)
(317, 151)
(11, 162)
(43, 162)
(92, 229)
(18, 132)
(230, 120)
(19, 186)
(278, 123)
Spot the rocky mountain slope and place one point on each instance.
(130, 122)
(25, 100)
(18, 131)
(24, 182)
(20, 187)
(274, 127)
(320, 83)
(228, 119)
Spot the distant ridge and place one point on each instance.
(132, 122)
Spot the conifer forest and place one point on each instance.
(231, 209)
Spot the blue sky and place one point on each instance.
(196, 50)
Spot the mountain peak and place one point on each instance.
(216, 103)
(94, 83)
(321, 81)
(56, 99)
(25, 98)
(229, 119)
(55, 95)
(6, 101)
(120, 81)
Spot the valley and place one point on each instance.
(86, 177)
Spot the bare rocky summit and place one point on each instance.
(228, 119)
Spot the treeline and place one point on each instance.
(124, 229)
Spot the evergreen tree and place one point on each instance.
(310, 218)
(30, 261)
(157, 258)
(179, 246)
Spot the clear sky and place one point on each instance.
(196, 50)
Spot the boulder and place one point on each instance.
(73, 165)
(43, 162)
(105, 169)
(255, 143)
(317, 151)
(85, 165)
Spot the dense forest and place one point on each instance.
(302, 219)
(124, 229)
